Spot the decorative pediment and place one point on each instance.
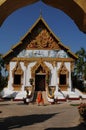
(43, 41)
(40, 68)
(18, 69)
(63, 69)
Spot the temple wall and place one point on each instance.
(54, 79)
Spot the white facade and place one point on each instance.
(54, 77)
(43, 59)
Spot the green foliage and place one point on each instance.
(3, 79)
(80, 64)
(79, 75)
(82, 110)
(3, 82)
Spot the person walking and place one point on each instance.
(40, 99)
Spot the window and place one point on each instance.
(17, 79)
(62, 79)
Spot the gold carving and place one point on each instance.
(40, 67)
(63, 69)
(18, 69)
(26, 63)
(54, 63)
(43, 40)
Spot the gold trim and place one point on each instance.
(45, 70)
(17, 70)
(63, 70)
(26, 63)
(43, 59)
(38, 64)
(50, 91)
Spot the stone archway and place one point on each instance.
(76, 9)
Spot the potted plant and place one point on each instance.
(82, 111)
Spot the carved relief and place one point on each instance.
(63, 69)
(40, 67)
(26, 63)
(43, 41)
(54, 63)
(18, 69)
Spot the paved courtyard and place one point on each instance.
(18, 116)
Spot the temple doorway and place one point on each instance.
(40, 82)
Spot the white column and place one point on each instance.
(70, 82)
(26, 76)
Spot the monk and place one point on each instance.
(40, 98)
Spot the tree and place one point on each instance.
(3, 79)
(1, 66)
(80, 66)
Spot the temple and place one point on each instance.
(40, 62)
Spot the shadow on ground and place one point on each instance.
(20, 121)
(79, 127)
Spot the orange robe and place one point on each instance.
(40, 98)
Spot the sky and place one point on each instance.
(19, 22)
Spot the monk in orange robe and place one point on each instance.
(40, 98)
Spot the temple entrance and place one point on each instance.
(40, 72)
(40, 82)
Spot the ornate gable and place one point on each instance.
(43, 40)
(39, 37)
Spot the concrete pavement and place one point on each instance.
(18, 116)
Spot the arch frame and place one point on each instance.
(75, 9)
